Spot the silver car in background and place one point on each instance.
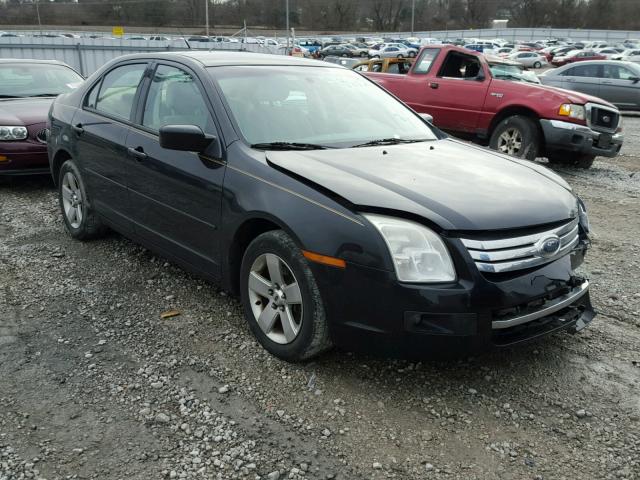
(629, 55)
(529, 59)
(614, 81)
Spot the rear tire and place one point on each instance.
(537, 65)
(77, 211)
(579, 160)
(516, 136)
(291, 326)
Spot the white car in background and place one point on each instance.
(630, 55)
(529, 59)
(504, 52)
(608, 52)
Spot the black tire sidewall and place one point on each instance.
(528, 131)
(83, 231)
(279, 243)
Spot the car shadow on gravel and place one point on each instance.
(26, 183)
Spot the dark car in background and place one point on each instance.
(27, 88)
(339, 214)
(614, 81)
(341, 50)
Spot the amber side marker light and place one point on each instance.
(3, 159)
(325, 260)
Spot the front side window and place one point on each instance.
(175, 99)
(457, 65)
(118, 90)
(423, 64)
(592, 71)
(317, 105)
(36, 79)
(617, 72)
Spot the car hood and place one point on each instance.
(24, 111)
(454, 185)
(542, 92)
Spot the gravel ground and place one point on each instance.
(94, 384)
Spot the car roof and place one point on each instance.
(597, 62)
(220, 58)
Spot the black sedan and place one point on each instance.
(337, 214)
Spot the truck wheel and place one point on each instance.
(537, 65)
(574, 159)
(516, 136)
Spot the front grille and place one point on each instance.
(602, 118)
(41, 135)
(517, 253)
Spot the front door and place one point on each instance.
(101, 127)
(176, 196)
(457, 94)
(619, 85)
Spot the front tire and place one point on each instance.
(281, 300)
(537, 65)
(516, 136)
(80, 219)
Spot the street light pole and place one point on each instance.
(38, 13)
(206, 14)
(413, 16)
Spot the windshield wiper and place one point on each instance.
(389, 141)
(288, 146)
(44, 95)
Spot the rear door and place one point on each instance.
(176, 196)
(101, 127)
(619, 86)
(583, 78)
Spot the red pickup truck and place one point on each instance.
(495, 105)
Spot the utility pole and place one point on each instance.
(38, 13)
(413, 16)
(206, 14)
(288, 31)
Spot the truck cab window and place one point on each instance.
(457, 65)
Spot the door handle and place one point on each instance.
(434, 85)
(607, 82)
(78, 129)
(137, 153)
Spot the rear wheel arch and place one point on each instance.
(59, 158)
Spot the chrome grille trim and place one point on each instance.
(547, 309)
(41, 135)
(516, 253)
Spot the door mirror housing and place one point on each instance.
(634, 79)
(186, 138)
(427, 118)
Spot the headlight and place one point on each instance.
(583, 218)
(572, 111)
(13, 133)
(419, 254)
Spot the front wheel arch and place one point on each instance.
(59, 158)
(522, 111)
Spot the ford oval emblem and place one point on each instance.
(548, 246)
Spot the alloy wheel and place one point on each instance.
(276, 298)
(72, 200)
(510, 141)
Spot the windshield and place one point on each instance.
(28, 80)
(324, 106)
(512, 72)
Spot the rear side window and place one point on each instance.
(119, 90)
(427, 56)
(592, 71)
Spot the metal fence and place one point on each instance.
(87, 55)
(532, 34)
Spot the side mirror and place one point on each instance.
(186, 138)
(634, 79)
(427, 118)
